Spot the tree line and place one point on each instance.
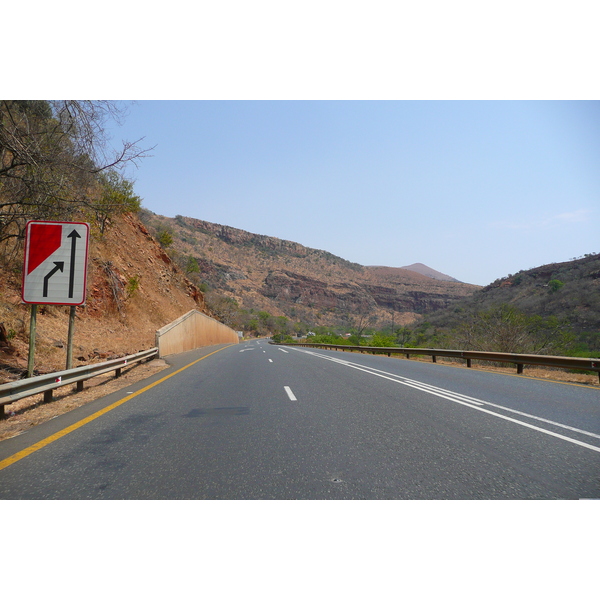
(501, 328)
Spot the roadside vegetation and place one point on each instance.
(57, 164)
(500, 328)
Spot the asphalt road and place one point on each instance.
(257, 421)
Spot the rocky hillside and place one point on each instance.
(134, 288)
(285, 278)
(568, 292)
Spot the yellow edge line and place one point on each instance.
(45, 442)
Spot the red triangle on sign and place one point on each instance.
(44, 240)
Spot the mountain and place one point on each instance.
(429, 272)
(284, 278)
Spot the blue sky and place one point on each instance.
(475, 189)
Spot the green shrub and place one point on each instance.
(165, 238)
(330, 338)
(555, 285)
(381, 340)
(133, 285)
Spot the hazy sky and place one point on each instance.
(475, 189)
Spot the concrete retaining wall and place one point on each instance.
(193, 330)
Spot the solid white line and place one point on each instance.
(518, 412)
(466, 401)
(282, 350)
(290, 394)
(476, 401)
(558, 435)
(442, 393)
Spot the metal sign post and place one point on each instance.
(32, 328)
(70, 337)
(54, 272)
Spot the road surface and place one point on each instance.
(258, 421)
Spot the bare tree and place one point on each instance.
(51, 155)
(362, 318)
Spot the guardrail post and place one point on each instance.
(408, 356)
(433, 358)
(48, 396)
(519, 368)
(469, 363)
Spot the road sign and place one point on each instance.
(55, 269)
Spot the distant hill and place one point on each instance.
(287, 279)
(568, 291)
(429, 272)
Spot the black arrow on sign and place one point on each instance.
(60, 265)
(73, 235)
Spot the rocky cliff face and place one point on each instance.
(288, 287)
(414, 301)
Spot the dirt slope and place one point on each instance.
(133, 289)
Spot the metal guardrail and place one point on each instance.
(561, 362)
(16, 390)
